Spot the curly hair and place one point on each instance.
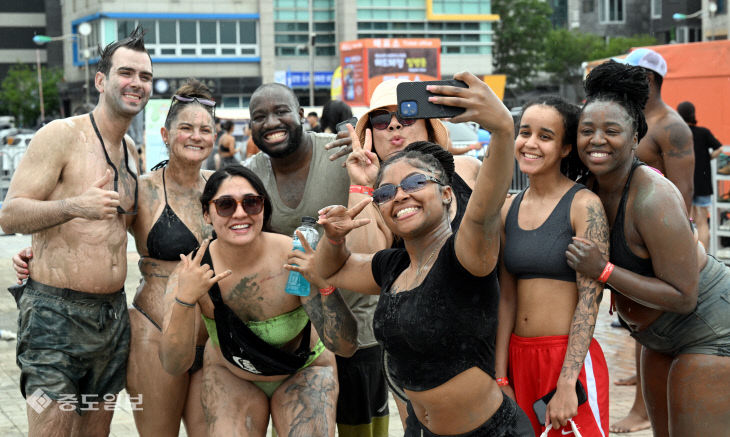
(624, 84)
(442, 156)
(571, 166)
(419, 159)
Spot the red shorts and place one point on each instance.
(534, 368)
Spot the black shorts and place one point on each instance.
(362, 407)
(72, 345)
(508, 421)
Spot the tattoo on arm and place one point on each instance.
(586, 311)
(333, 320)
(680, 144)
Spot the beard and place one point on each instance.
(295, 135)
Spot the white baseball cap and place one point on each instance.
(646, 58)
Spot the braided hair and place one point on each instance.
(624, 84)
(419, 159)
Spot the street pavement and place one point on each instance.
(617, 346)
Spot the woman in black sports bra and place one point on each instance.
(266, 351)
(675, 298)
(547, 311)
(437, 312)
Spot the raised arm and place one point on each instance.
(187, 284)
(335, 262)
(589, 221)
(477, 241)
(362, 166)
(26, 208)
(327, 310)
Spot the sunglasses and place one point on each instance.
(225, 206)
(184, 99)
(409, 184)
(380, 119)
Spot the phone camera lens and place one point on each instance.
(409, 108)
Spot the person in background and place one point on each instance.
(704, 141)
(313, 121)
(543, 347)
(213, 161)
(673, 296)
(227, 145)
(334, 112)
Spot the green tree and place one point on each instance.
(519, 39)
(566, 50)
(19, 93)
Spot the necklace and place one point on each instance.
(419, 268)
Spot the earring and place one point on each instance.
(447, 201)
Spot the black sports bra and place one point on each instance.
(540, 253)
(169, 237)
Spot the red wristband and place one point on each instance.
(361, 189)
(606, 273)
(503, 382)
(335, 242)
(327, 291)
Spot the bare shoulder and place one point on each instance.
(467, 167)
(670, 131)
(57, 135)
(506, 206)
(587, 208)
(653, 192)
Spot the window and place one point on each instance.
(611, 11)
(588, 6)
(456, 37)
(656, 9)
(291, 27)
(209, 38)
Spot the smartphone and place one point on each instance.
(540, 405)
(342, 126)
(413, 100)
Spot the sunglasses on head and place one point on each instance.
(380, 119)
(185, 99)
(225, 206)
(410, 184)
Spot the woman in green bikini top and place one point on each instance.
(263, 357)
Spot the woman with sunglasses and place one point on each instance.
(266, 351)
(541, 348)
(437, 313)
(674, 297)
(167, 223)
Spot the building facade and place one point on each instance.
(238, 44)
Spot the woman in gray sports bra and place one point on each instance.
(674, 297)
(547, 311)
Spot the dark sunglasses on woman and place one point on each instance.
(380, 119)
(225, 206)
(410, 184)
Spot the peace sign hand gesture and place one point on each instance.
(338, 221)
(362, 164)
(194, 279)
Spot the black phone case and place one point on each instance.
(416, 92)
(342, 126)
(540, 405)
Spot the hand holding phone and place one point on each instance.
(342, 126)
(413, 100)
(540, 405)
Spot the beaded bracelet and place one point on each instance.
(606, 273)
(502, 382)
(361, 189)
(185, 304)
(335, 242)
(327, 291)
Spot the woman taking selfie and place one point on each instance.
(436, 316)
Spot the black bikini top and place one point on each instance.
(242, 347)
(169, 237)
